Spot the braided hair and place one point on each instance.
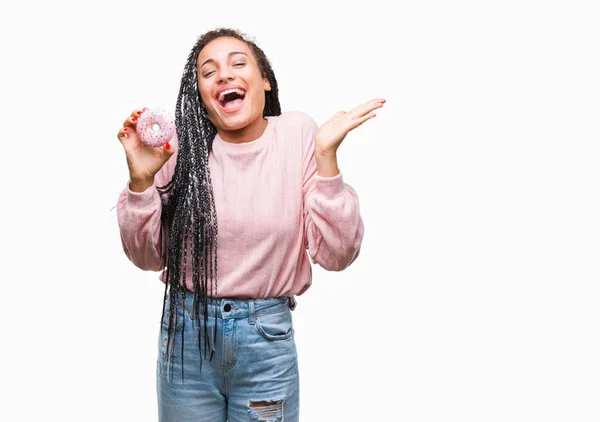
(188, 204)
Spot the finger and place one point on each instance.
(167, 151)
(130, 122)
(136, 113)
(356, 118)
(169, 148)
(359, 121)
(336, 116)
(122, 135)
(367, 107)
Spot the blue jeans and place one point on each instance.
(253, 375)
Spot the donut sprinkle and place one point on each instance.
(155, 127)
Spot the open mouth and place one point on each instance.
(231, 99)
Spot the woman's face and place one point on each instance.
(230, 83)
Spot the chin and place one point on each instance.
(238, 121)
(235, 122)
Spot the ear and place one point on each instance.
(266, 84)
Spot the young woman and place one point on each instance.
(230, 212)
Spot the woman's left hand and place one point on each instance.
(331, 134)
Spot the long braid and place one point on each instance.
(188, 203)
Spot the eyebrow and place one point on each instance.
(230, 54)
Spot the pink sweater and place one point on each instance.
(271, 206)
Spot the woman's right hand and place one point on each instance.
(143, 160)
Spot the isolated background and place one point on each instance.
(476, 294)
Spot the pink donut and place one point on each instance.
(155, 127)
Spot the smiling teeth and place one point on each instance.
(229, 91)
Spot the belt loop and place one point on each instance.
(292, 302)
(251, 311)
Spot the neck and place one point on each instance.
(246, 134)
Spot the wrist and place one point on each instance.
(327, 165)
(140, 185)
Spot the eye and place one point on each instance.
(207, 74)
(239, 64)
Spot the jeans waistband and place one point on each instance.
(237, 308)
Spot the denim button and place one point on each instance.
(227, 308)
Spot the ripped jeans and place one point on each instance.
(253, 375)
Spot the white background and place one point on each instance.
(476, 295)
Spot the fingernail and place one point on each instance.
(134, 119)
(139, 113)
(167, 146)
(126, 129)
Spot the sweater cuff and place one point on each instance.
(331, 187)
(143, 200)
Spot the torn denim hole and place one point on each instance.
(266, 410)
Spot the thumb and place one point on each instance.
(169, 149)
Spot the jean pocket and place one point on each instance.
(164, 329)
(164, 337)
(181, 314)
(275, 326)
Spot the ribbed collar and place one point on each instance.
(251, 146)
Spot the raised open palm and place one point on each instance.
(331, 134)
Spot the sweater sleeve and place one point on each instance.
(139, 217)
(333, 227)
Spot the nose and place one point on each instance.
(224, 75)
